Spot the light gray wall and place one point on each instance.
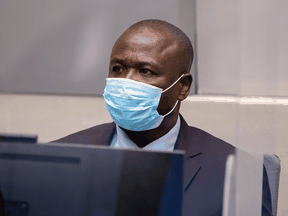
(242, 47)
(63, 46)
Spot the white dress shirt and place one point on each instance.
(164, 143)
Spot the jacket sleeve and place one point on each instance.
(266, 195)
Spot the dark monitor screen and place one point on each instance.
(71, 179)
(18, 138)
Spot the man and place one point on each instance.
(148, 78)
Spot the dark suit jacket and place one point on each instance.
(204, 166)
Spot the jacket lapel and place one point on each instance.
(187, 141)
(107, 134)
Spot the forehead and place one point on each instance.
(148, 44)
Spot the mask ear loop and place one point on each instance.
(177, 100)
(173, 83)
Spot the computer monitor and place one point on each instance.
(74, 179)
(18, 138)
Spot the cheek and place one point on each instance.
(167, 102)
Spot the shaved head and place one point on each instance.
(167, 37)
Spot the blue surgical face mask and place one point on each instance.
(133, 105)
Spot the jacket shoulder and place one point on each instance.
(99, 134)
(208, 139)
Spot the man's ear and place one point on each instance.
(185, 85)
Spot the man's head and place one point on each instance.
(157, 53)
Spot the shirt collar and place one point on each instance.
(164, 143)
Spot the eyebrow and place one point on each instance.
(139, 64)
(115, 60)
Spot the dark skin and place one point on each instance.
(155, 58)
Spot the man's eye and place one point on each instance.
(116, 69)
(146, 71)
